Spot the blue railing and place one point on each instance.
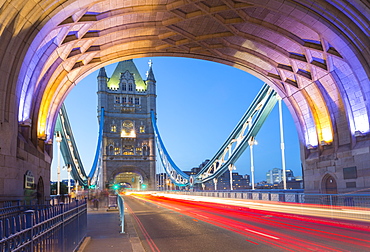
(50, 228)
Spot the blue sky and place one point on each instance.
(198, 105)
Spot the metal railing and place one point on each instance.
(47, 228)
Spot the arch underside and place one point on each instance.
(314, 53)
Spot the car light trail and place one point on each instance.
(270, 236)
(288, 232)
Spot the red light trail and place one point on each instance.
(283, 231)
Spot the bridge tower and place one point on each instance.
(128, 137)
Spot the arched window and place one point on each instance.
(111, 150)
(130, 87)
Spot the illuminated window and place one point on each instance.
(138, 151)
(130, 100)
(128, 150)
(124, 99)
(118, 99)
(113, 128)
(142, 129)
(137, 101)
(116, 151)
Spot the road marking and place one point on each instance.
(256, 232)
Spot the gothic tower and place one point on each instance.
(128, 136)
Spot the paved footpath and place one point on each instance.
(104, 233)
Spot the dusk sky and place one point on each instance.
(198, 105)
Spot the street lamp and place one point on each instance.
(231, 169)
(282, 142)
(252, 142)
(69, 169)
(58, 138)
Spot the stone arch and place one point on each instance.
(140, 172)
(314, 53)
(329, 184)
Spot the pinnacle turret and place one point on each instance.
(150, 74)
(102, 73)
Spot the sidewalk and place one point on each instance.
(103, 233)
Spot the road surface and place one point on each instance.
(166, 224)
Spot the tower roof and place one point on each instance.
(123, 66)
(102, 73)
(150, 74)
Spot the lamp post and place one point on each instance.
(58, 138)
(282, 142)
(252, 142)
(69, 169)
(231, 168)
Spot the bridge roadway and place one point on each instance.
(181, 225)
(165, 224)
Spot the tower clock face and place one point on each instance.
(127, 126)
(128, 129)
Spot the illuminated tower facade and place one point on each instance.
(128, 137)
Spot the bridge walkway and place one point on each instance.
(103, 233)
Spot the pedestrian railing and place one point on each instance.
(48, 228)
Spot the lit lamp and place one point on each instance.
(324, 143)
(311, 147)
(359, 133)
(58, 138)
(252, 142)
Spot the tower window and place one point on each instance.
(116, 151)
(137, 101)
(118, 99)
(142, 129)
(113, 128)
(138, 151)
(128, 150)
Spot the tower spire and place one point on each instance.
(102, 73)
(150, 74)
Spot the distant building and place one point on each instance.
(275, 176)
(72, 182)
(240, 182)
